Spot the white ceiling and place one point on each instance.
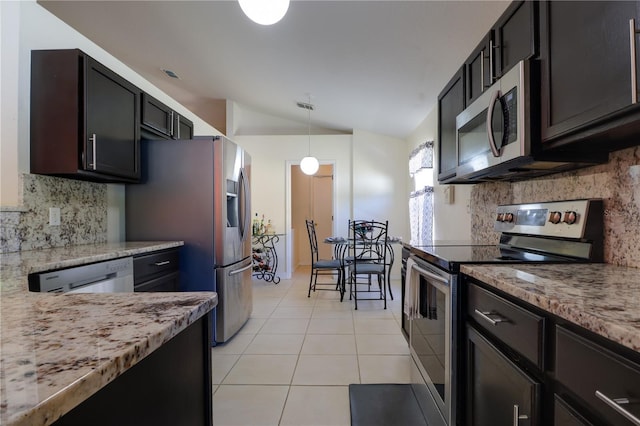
(371, 65)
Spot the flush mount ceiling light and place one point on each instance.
(309, 165)
(264, 12)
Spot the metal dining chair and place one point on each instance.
(368, 258)
(320, 267)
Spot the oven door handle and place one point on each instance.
(429, 274)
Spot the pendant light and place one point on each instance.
(309, 165)
(264, 12)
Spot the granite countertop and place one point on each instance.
(59, 349)
(602, 298)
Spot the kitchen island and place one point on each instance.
(66, 356)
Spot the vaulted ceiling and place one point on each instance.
(371, 65)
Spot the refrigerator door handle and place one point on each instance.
(239, 271)
(245, 214)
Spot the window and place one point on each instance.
(421, 198)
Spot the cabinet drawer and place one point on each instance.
(170, 282)
(518, 328)
(149, 265)
(586, 368)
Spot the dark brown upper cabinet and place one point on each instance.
(479, 69)
(160, 121)
(515, 36)
(85, 120)
(512, 39)
(589, 69)
(451, 102)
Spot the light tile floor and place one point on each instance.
(292, 362)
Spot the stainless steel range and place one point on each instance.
(550, 232)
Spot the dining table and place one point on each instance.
(342, 244)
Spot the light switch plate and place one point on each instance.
(449, 194)
(54, 216)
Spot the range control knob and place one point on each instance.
(555, 217)
(508, 217)
(570, 217)
(500, 217)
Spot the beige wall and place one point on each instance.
(272, 157)
(369, 180)
(450, 221)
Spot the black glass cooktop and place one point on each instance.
(450, 257)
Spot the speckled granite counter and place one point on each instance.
(602, 298)
(59, 349)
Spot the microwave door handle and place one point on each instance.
(492, 140)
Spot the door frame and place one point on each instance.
(287, 216)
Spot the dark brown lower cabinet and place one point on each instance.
(157, 271)
(565, 376)
(498, 391)
(171, 386)
(601, 382)
(564, 415)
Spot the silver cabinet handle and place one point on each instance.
(492, 76)
(172, 124)
(634, 71)
(517, 416)
(616, 404)
(485, 316)
(94, 158)
(165, 262)
(482, 83)
(178, 125)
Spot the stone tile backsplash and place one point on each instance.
(83, 214)
(617, 183)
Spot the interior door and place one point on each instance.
(311, 199)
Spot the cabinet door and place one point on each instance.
(586, 62)
(156, 117)
(112, 123)
(515, 35)
(450, 104)
(478, 68)
(168, 282)
(498, 391)
(183, 127)
(564, 415)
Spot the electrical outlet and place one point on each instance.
(54, 216)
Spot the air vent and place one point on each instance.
(305, 105)
(170, 73)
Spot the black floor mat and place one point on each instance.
(384, 405)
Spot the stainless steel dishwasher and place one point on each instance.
(111, 276)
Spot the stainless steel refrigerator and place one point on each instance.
(198, 191)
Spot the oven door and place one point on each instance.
(432, 333)
(493, 129)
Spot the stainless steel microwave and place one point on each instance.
(498, 138)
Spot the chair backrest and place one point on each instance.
(313, 240)
(368, 241)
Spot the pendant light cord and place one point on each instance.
(309, 124)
